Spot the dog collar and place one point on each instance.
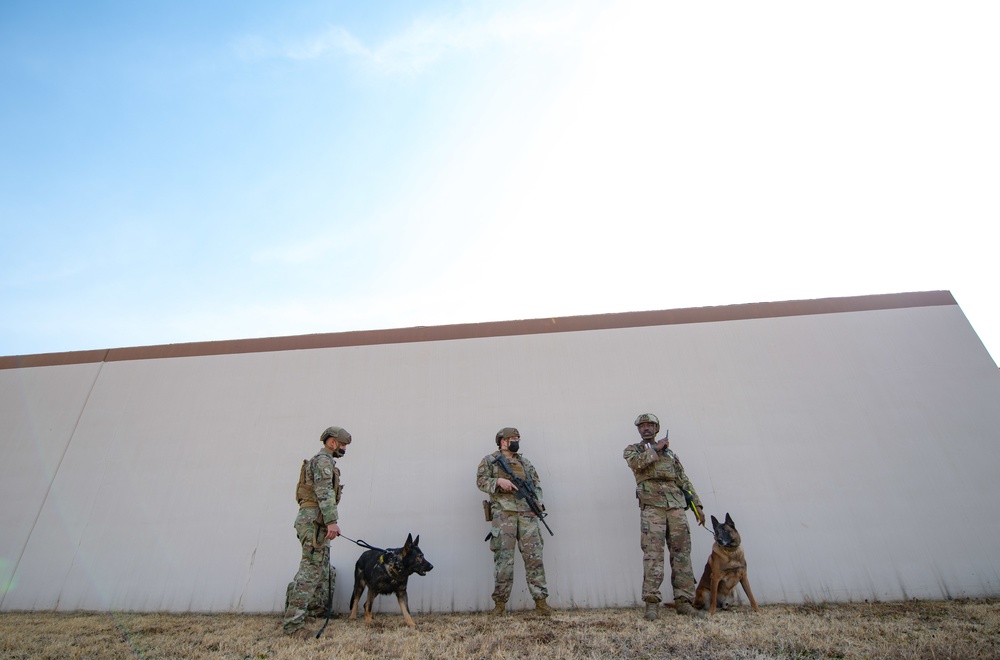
(390, 568)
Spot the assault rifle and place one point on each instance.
(525, 490)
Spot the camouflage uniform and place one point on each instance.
(513, 524)
(660, 485)
(308, 593)
(321, 597)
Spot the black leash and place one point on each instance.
(329, 600)
(362, 543)
(703, 526)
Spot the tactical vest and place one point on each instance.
(305, 491)
(661, 470)
(659, 484)
(516, 467)
(502, 501)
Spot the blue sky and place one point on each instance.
(188, 171)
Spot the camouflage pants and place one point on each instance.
(522, 530)
(666, 526)
(316, 607)
(308, 593)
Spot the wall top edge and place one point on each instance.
(609, 321)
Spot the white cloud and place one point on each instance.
(428, 39)
(700, 155)
(335, 39)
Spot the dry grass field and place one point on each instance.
(915, 629)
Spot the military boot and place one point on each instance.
(498, 608)
(685, 608)
(652, 611)
(542, 608)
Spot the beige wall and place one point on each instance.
(857, 452)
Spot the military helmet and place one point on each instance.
(337, 433)
(507, 432)
(648, 417)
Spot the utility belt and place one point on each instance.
(489, 512)
(307, 498)
(666, 480)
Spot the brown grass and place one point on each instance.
(915, 629)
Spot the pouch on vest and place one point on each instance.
(338, 487)
(517, 468)
(305, 494)
(488, 510)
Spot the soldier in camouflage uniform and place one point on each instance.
(316, 608)
(318, 495)
(513, 523)
(660, 487)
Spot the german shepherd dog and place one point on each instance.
(386, 572)
(726, 568)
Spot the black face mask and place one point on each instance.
(337, 453)
(513, 446)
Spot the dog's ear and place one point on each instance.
(416, 541)
(409, 542)
(715, 522)
(729, 521)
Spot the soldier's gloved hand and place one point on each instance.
(332, 531)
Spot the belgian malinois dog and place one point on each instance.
(386, 572)
(726, 568)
